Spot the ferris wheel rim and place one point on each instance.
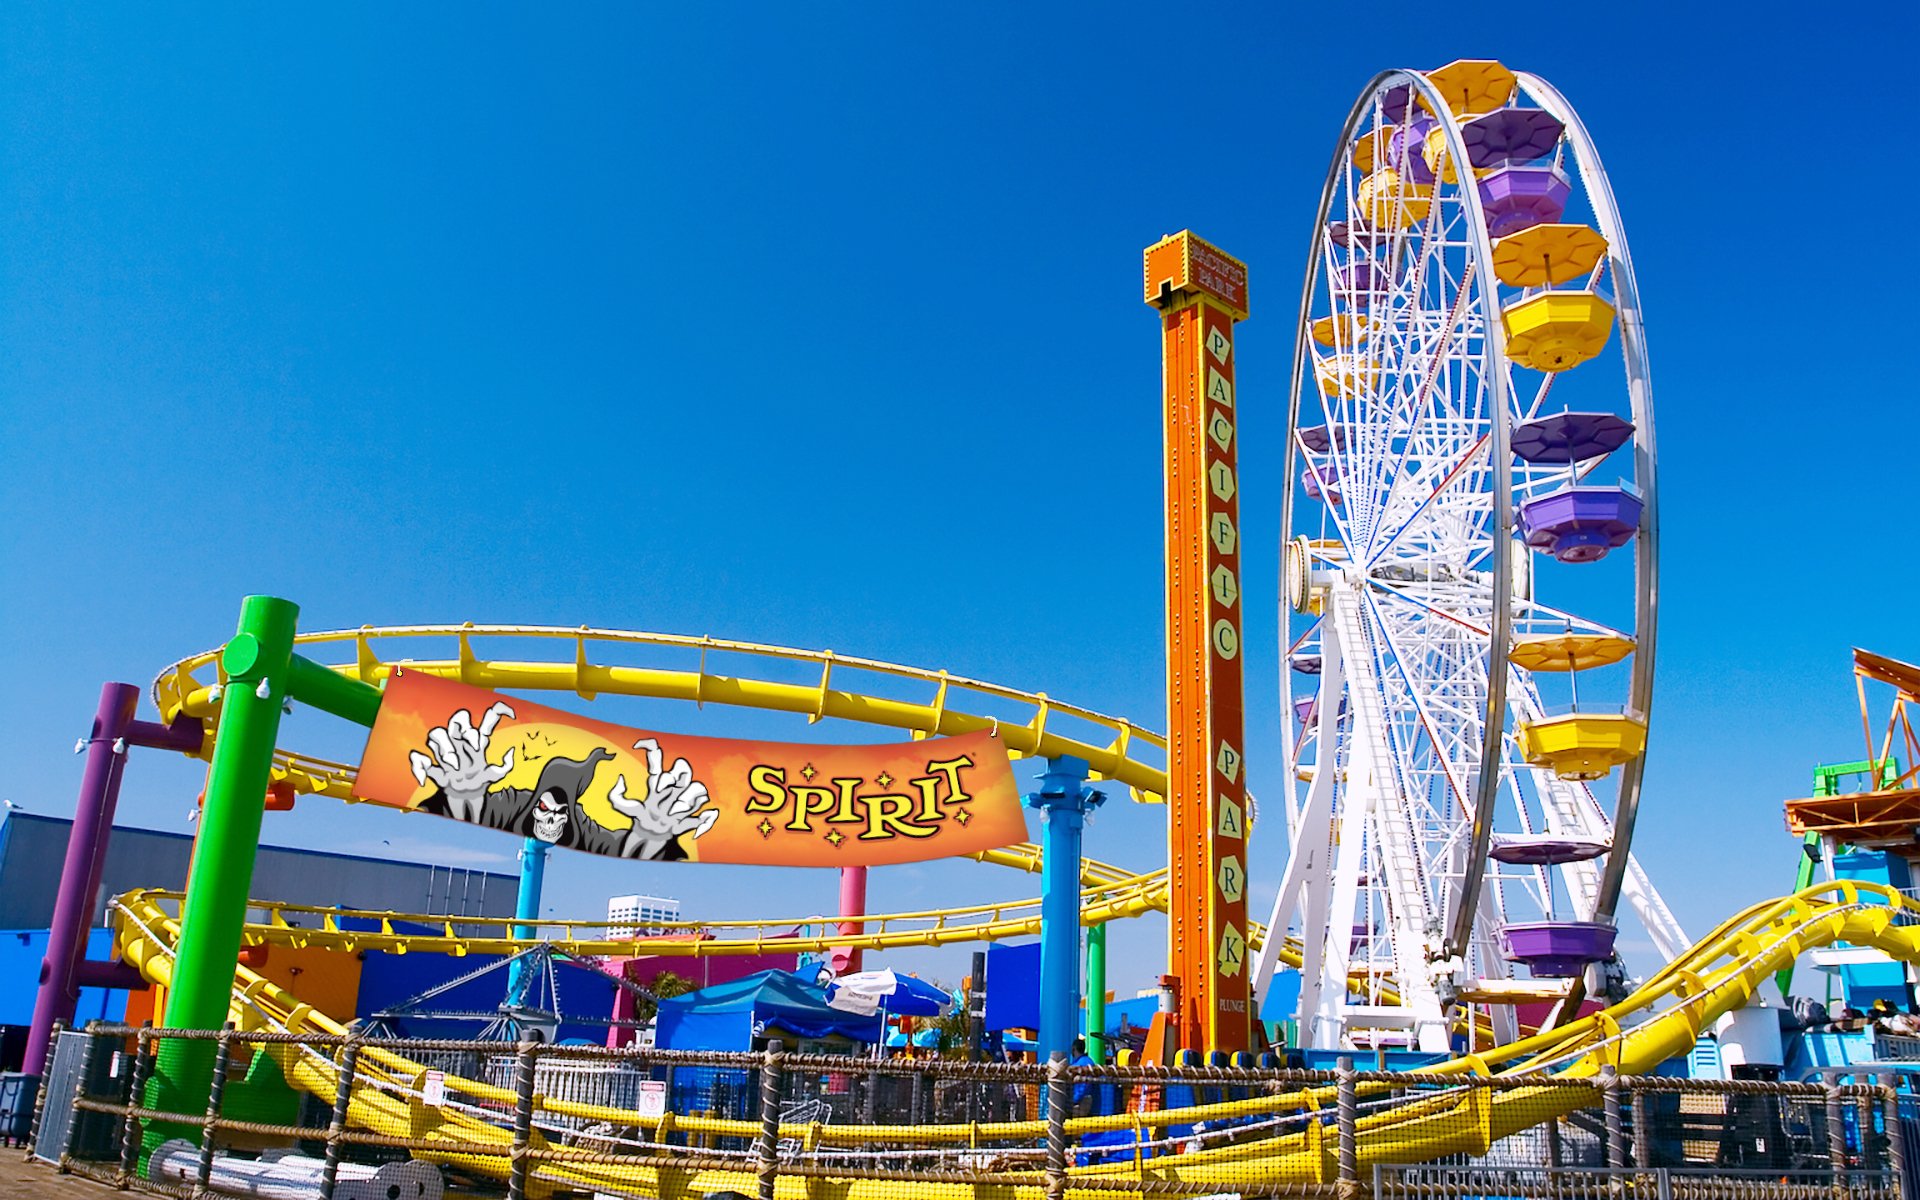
(1462, 907)
(1633, 349)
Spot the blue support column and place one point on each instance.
(1064, 801)
(533, 872)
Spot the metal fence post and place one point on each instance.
(40, 1092)
(130, 1130)
(667, 1078)
(216, 1092)
(767, 1146)
(87, 1060)
(1896, 1133)
(1347, 1114)
(1610, 1106)
(1642, 1140)
(526, 1059)
(1872, 1155)
(1837, 1138)
(349, 1066)
(1059, 1103)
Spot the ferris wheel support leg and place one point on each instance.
(1331, 912)
(1493, 960)
(1669, 937)
(1313, 835)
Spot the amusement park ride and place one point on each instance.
(1445, 827)
(1468, 673)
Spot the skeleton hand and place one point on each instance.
(463, 771)
(673, 805)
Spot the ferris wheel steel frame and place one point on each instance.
(1425, 941)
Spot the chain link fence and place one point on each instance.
(341, 1118)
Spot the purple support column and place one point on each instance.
(86, 845)
(114, 731)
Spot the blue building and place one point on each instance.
(33, 850)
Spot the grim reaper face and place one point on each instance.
(550, 815)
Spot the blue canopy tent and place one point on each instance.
(731, 1016)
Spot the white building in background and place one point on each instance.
(640, 916)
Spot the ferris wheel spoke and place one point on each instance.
(1417, 697)
(1433, 610)
(1446, 481)
(1571, 622)
(1435, 359)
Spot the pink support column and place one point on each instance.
(623, 1006)
(853, 903)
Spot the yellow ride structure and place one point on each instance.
(1659, 1020)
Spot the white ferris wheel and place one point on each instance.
(1470, 571)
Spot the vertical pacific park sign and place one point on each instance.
(462, 752)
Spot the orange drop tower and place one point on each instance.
(1201, 292)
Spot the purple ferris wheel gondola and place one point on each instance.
(1559, 949)
(1360, 282)
(1580, 524)
(1517, 198)
(1394, 102)
(1322, 485)
(1322, 438)
(1569, 437)
(1544, 849)
(1510, 135)
(1354, 234)
(1406, 150)
(1304, 708)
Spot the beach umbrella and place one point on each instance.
(867, 992)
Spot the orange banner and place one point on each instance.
(456, 751)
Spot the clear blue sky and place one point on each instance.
(820, 325)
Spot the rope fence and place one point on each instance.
(341, 1117)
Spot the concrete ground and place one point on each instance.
(34, 1180)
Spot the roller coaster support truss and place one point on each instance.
(526, 905)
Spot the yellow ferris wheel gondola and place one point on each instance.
(1473, 85)
(1568, 651)
(1583, 746)
(1557, 331)
(1548, 254)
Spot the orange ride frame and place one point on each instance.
(1200, 292)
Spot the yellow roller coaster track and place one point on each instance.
(1660, 1020)
(951, 704)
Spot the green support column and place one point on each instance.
(1097, 993)
(331, 692)
(257, 664)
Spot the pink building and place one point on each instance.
(704, 971)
